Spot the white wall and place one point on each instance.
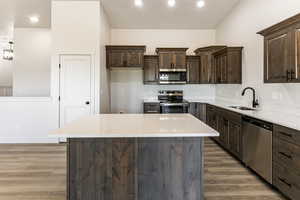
(192, 39)
(104, 72)
(76, 30)
(27, 120)
(240, 28)
(127, 88)
(32, 62)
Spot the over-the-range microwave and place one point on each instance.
(172, 76)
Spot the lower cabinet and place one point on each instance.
(151, 108)
(286, 148)
(286, 161)
(229, 125)
(198, 110)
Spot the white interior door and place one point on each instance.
(76, 99)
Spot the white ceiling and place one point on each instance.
(155, 14)
(15, 13)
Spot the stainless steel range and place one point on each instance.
(171, 101)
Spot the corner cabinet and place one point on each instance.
(207, 65)
(281, 51)
(193, 69)
(125, 56)
(172, 58)
(228, 64)
(150, 70)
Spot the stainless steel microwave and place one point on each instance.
(172, 76)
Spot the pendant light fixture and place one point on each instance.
(8, 54)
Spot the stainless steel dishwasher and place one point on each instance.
(257, 146)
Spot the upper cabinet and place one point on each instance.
(207, 67)
(150, 69)
(281, 51)
(125, 56)
(172, 58)
(193, 69)
(228, 65)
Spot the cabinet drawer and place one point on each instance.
(286, 181)
(287, 134)
(286, 154)
(151, 108)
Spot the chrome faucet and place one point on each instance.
(254, 101)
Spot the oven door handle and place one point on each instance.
(174, 104)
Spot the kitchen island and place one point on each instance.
(135, 157)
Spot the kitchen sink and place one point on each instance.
(242, 108)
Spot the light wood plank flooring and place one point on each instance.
(38, 172)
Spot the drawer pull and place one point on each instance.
(286, 155)
(286, 134)
(152, 111)
(284, 181)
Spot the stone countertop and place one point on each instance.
(135, 126)
(282, 118)
(151, 101)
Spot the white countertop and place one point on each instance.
(135, 125)
(276, 117)
(151, 101)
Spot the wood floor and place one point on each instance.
(38, 172)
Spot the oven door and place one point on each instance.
(173, 108)
(172, 77)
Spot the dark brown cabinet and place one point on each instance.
(229, 125)
(172, 58)
(228, 64)
(193, 69)
(151, 70)
(281, 51)
(125, 56)
(286, 161)
(198, 110)
(207, 65)
(152, 108)
(211, 116)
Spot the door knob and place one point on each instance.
(87, 103)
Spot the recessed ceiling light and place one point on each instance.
(200, 3)
(34, 19)
(171, 3)
(138, 3)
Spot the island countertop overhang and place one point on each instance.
(135, 126)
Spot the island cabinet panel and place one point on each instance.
(125, 56)
(135, 168)
(193, 69)
(101, 169)
(207, 64)
(169, 169)
(150, 70)
(281, 51)
(172, 58)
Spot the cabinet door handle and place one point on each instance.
(285, 182)
(292, 74)
(286, 155)
(286, 134)
(288, 74)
